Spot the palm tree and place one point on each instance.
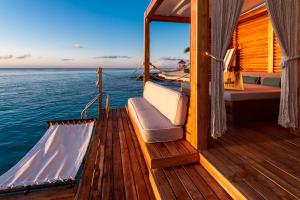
(187, 50)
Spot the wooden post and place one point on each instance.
(146, 50)
(199, 99)
(270, 47)
(99, 71)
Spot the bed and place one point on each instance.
(257, 103)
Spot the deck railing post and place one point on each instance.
(146, 50)
(99, 71)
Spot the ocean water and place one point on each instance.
(31, 97)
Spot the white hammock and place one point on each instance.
(56, 157)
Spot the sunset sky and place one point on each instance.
(84, 33)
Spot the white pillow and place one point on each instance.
(172, 104)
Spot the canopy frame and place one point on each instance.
(199, 39)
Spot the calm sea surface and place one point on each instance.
(31, 97)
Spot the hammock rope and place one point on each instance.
(164, 71)
(161, 79)
(137, 76)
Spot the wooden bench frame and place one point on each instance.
(156, 159)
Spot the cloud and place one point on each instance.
(66, 59)
(6, 57)
(112, 57)
(168, 62)
(24, 56)
(77, 46)
(171, 59)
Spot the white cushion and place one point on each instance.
(252, 92)
(172, 104)
(153, 126)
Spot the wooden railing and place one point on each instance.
(97, 98)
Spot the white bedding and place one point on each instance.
(252, 92)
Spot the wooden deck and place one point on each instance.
(259, 161)
(186, 182)
(115, 169)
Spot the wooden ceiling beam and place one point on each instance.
(175, 19)
(154, 5)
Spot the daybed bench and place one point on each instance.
(158, 118)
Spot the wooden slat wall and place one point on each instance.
(251, 38)
(253, 41)
(277, 56)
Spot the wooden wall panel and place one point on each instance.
(189, 125)
(277, 56)
(251, 38)
(253, 43)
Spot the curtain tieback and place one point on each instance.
(218, 59)
(286, 59)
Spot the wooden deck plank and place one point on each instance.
(96, 188)
(234, 172)
(137, 175)
(87, 176)
(266, 153)
(247, 177)
(255, 160)
(118, 170)
(185, 182)
(179, 190)
(283, 148)
(188, 183)
(269, 151)
(129, 185)
(212, 183)
(140, 158)
(259, 183)
(161, 185)
(108, 174)
(205, 189)
(119, 191)
(275, 131)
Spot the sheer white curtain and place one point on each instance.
(224, 18)
(285, 19)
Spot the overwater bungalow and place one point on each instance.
(203, 142)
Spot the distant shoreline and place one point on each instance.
(63, 68)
